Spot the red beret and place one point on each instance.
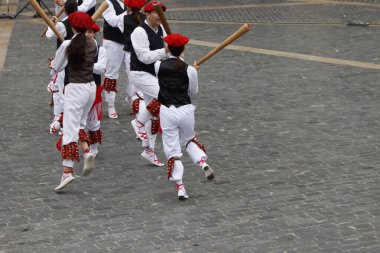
(80, 20)
(95, 27)
(134, 4)
(176, 40)
(149, 7)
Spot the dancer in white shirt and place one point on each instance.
(113, 42)
(178, 82)
(76, 57)
(147, 48)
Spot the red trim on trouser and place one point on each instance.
(170, 166)
(135, 106)
(60, 119)
(95, 136)
(58, 145)
(109, 84)
(70, 151)
(155, 126)
(154, 107)
(83, 136)
(200, 145)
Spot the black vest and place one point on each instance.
(69, 32)
(155, 42)
(129, 26)
(114, 33)
(90, 11)
(97, 78)
(174, 84)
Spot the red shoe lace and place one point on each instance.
(178, 186)
(141, 134)
(202, 161)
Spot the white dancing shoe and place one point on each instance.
(66, 179)
(182, 194)
(152, 157)
(88, 163)
(209, 173)
(139, 130)
(112, 112)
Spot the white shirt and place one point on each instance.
(100, 65)
(121, 24)
(50, 35)
(191, 73)
(60, 60)
(86, 5)
(140, 43)
(110, 14)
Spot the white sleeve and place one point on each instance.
(60, 60)
(50, 35)
(157, 67)
(140, 43)
(100, 66)
(193, 80)
(86, 5)
(120, 24)
(110, 15)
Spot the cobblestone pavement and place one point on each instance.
(294, 144)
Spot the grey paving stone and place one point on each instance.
(294, 145)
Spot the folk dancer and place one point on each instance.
(178, 82)
(56, 84)
(147, 48)
(127, 25)
(113, 42)
(77, 57)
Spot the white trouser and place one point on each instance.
(92, 122)
(58, 104)
(131, 89)
(58, 85)
(78, 99)
(148, 85)
(115, 57)
(178, 129)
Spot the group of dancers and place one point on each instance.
(159, 86)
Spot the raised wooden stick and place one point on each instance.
(42, 14)
(100, 11)
(163, 19)
(242, 30)
(43, 32)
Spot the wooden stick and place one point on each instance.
(100, 11)
(42, 14)
(163, 19)
(43, 32)
(242, 30)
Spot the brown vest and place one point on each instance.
(84, 74)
